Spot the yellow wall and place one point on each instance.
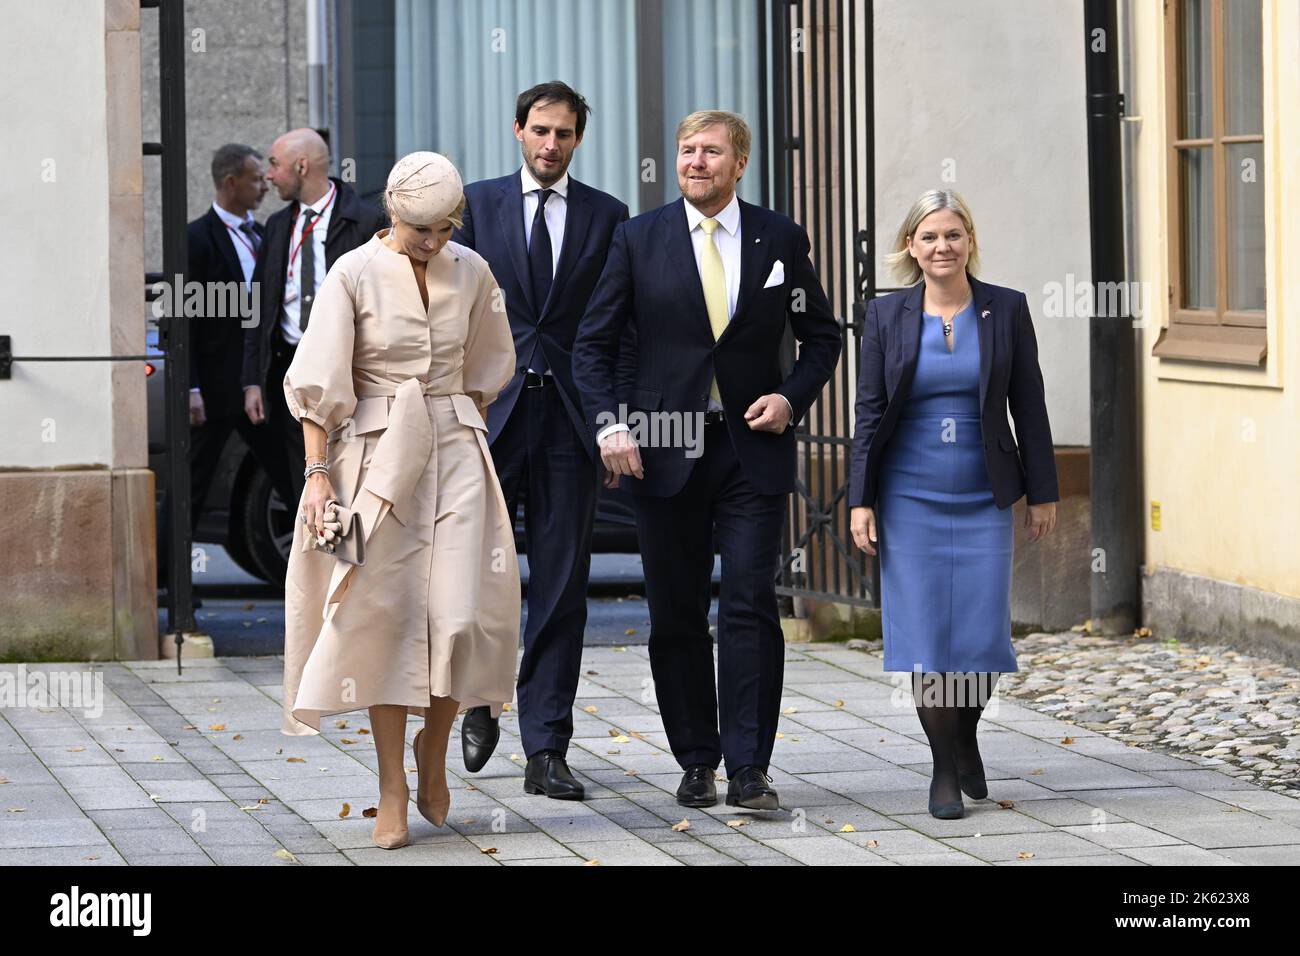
(1229, 505)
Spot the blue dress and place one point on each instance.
(945, 547)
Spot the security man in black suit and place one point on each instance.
(324, 219)
(224, 245)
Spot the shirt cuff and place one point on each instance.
(789, 406)
(193, 389)
(609, 430)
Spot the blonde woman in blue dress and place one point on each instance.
(935, 472)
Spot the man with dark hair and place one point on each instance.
(323, 220)
(545, 236)
(224, 244)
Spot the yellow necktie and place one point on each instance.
(714, 279)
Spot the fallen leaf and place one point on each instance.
(216, 726)
(780, 736)
(622, 739)
(736, 824)
(839, 703)
(631, 773)
(514, 757)
(506, 708)
(490, 849)
(470, 786)
(636, 735)
(613, 751)
(363, 730)
(4, 780)
(297, 760)
(347, 808)
(16, 810)
(346, 740)
(189, 727)
(591, 709)
(872, 844)
(630, 631)
(683, 826)
(1006, 804)
(1024, 855)
(96, 857)
(592, 863)
(237, 737)
(370, 812)
(75, 750)
(283, 854)
(848, 828)
(790, 710)
(1036, 772)
(340, 725)
(1067, 740)
(158, 759)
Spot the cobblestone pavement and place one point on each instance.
(192, 769)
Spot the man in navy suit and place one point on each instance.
(704, 442)
(545, 236)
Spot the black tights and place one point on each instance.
(949, 707)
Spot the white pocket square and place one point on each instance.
(777, 276)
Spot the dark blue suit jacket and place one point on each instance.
(651, 280)
(494, 227)
(1009, 375)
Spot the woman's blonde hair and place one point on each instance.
(456, 217)
(900, 261)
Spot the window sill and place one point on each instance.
(1214, 344)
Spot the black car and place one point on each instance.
(246, 515)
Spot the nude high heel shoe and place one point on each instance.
(392, 839)
(433, 805)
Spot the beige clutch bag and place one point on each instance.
(349, 543)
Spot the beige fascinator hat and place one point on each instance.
(423, 188)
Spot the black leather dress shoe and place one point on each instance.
(548, 773)
(697, 788)
(752, 788)
(479, 733)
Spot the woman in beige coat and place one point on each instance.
(407, 345)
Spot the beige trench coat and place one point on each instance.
(400, 392)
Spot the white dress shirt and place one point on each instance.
(242, 242)
(315, 247)
(557, 211)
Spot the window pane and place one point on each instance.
(1243, 68)
(1196, 184)
(1245, 226)
(1195, 80)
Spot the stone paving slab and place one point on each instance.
(192, 770)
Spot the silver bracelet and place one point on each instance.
(313, 468)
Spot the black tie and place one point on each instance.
(254, 239)
(539, 253)
(307, 257)
(540, 265)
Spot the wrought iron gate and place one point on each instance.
(821, 141)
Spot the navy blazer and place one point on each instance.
(494, 228)
(651, 280)
(216, 342)
(1009, 375)
(353, 222)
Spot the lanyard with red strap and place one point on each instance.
(237, 234)
(307, 229)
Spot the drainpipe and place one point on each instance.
(318, 117)
(1113, 459)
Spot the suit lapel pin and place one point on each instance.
(984, 314)
(758, 240)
